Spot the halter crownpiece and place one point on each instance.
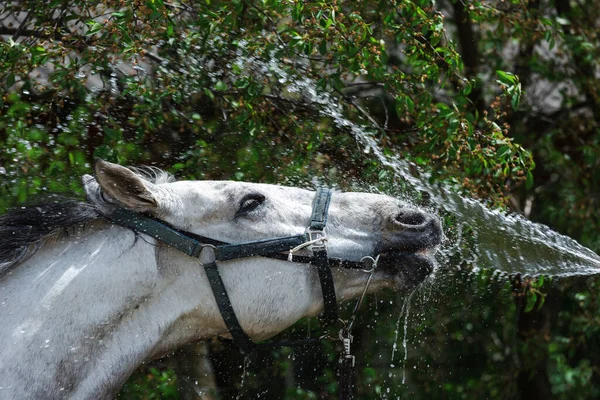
(209, 251)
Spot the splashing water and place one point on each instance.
(485, 238)
(405, 311)
(245, 370)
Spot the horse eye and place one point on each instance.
(250, 203)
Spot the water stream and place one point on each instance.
(404, 312)
(484, 238)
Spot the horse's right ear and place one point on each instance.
(124, 186)
(91, 188)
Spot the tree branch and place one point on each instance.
(470, 54)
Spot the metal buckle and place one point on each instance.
(314, 240)
(317, 238)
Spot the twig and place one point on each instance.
(21, 26)
(376, 83)
(387, 117)
(360, 110)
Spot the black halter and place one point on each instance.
(210, 251)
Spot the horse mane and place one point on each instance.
(23, 228)
(153, 174)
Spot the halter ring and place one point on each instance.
(207, 254)
(373, 261)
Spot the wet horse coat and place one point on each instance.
(83, 301)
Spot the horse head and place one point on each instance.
(359, 224)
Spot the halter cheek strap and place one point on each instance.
(318, 221)
(244, 343)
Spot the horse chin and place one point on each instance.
(408, 269)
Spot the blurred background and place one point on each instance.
(491, 100)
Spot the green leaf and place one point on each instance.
(507, 78)
(410, 104)
(516, 96)
(241, 83)
(94, 28)
(541, 303)
(529, 180)
(221, 86)
(531, 300)
(502, 151)
(36, 50)
(323, 47)
(467, 89)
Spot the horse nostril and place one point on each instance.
(411, 218)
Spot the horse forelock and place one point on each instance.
(153, 174)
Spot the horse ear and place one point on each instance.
(91, 188)
(124, 186)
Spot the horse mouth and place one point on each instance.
(408, 256)
(408, 269)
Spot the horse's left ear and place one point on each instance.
(124, 186)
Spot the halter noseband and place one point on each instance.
(209, 251)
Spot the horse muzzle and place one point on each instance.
(407, 246)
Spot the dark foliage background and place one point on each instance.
(497, 100)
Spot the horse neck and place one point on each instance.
(82, 313)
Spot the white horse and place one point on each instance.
(85, 301)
